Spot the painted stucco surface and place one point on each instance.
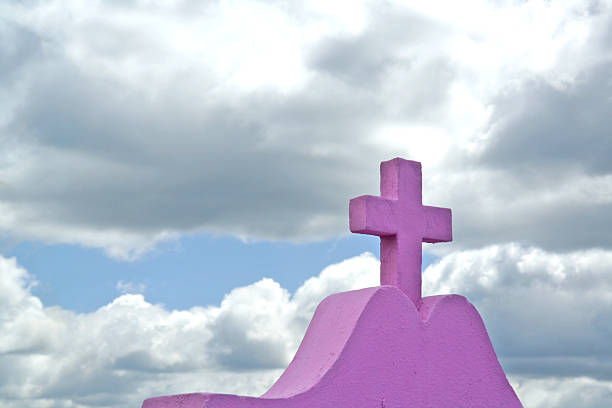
(373, 348)
(386, 347)
(402, 222)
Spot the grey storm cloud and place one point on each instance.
(19, 46)
(555, 130)
(367, 60)
(545, 177)
(114, 139)
(547, 314)
(97, 155)
(182, 163)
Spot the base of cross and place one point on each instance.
(373, 348)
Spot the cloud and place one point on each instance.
(564, 393)
(562, 126)
(527, 297)
(250, 332)
(127, 126)
(130, 349)
(544, 178)
(130, 287)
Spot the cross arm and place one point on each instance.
(372, 215)
(438, 225)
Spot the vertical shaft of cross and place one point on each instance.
(401, 181)
(399, 255)
(401, 221)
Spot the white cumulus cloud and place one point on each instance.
(130, 349)
(547, 315)
(130, 287)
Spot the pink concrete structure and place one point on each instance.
(386, 346)
(402, 222)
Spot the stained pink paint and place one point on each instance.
(385, 347)
(402, 222)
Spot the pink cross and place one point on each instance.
(402, 222)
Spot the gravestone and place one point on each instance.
(386, 346)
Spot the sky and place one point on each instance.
(175, 178)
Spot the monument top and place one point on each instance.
(373, 347)
(402, 222)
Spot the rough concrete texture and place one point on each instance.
(402, 222)
(386, 347)
(373, 348)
